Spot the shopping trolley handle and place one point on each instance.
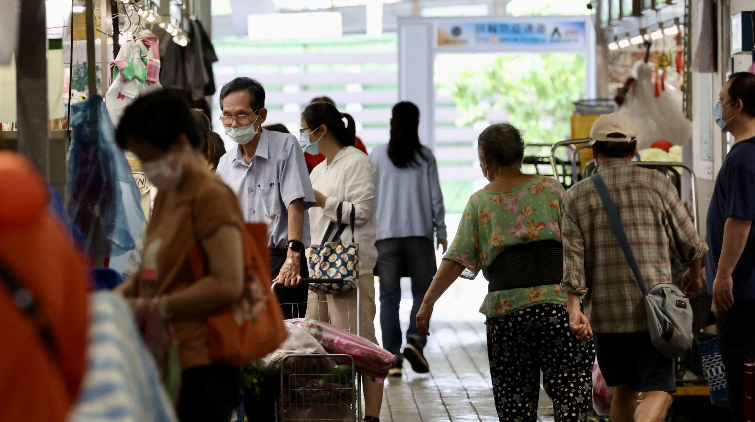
(350, 281)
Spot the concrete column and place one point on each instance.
(31, 86)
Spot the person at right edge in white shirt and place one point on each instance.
(347, 177)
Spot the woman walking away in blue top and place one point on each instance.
(410, 214)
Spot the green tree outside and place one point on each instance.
(536, 91)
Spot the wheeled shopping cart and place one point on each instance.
(323, 387)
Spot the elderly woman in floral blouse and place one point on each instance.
(511, 231)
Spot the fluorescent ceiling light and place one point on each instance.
(613, 46)
(624, 43)
(637, 40)
(656, 35)
(295, 26)
(78, 9)
(672, 30)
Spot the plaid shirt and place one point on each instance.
(657, 225)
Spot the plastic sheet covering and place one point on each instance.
(656, 118)
(103, 199)
(372, 360)
(299, 342)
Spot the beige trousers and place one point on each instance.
(341, 309)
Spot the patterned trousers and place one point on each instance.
(531, 340)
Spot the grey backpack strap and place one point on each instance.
(618, 228)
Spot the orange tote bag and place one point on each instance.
(251, 327)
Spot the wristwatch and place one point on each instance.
(295, 245)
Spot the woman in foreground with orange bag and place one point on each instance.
(192, 206)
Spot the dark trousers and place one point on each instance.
(534, 339)
(736, 339)
(401, 257)
(293, 300)
(209, 393)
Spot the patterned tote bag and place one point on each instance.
(334, 264)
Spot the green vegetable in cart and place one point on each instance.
(341, 374)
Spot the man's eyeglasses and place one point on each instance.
(241, 119)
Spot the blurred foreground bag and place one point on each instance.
(253, 326)
(43, 338)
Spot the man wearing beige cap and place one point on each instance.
(657, 225)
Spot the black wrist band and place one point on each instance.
(295, 245)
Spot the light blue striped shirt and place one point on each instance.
(122, 382)
(276, 177)
(408, 201)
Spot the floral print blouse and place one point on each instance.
(494, 220)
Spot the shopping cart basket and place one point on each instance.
(322, 387)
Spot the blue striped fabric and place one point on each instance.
(122, 383)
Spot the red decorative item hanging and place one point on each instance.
(657, 91)
(679, 56)
(663, 82)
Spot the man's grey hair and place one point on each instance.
(502, 146)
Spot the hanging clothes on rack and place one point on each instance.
(189, 68)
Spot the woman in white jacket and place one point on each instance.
(347, 177)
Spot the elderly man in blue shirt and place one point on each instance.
(269, 176)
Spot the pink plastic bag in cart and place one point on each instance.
(602, 394)
(372, 360)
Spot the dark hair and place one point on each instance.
(215, 149)
(159, 119)
(212, 145)
(404, 145)
(324, 99)
(319, 114)
(502, 146)
(614, 149)
(255, 89)
(277, 127)
(742, 87)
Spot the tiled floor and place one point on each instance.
(458, 387)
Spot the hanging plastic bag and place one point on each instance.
(103, 199)
(602, 394)
(372, 360)
(298, 342)
(656, 118)
(134, 72)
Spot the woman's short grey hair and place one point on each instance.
(502, 146)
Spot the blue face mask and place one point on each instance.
(311, 148)
(718, 114)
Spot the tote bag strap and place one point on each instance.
(337, 236)
(618, 228)
(342, 227)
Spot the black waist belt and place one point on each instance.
(527, 265)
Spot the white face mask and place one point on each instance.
(242, 135)
(161, 174)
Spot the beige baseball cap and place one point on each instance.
(613, 128)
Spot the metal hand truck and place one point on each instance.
(322, 387)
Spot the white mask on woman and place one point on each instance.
(161, 174)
